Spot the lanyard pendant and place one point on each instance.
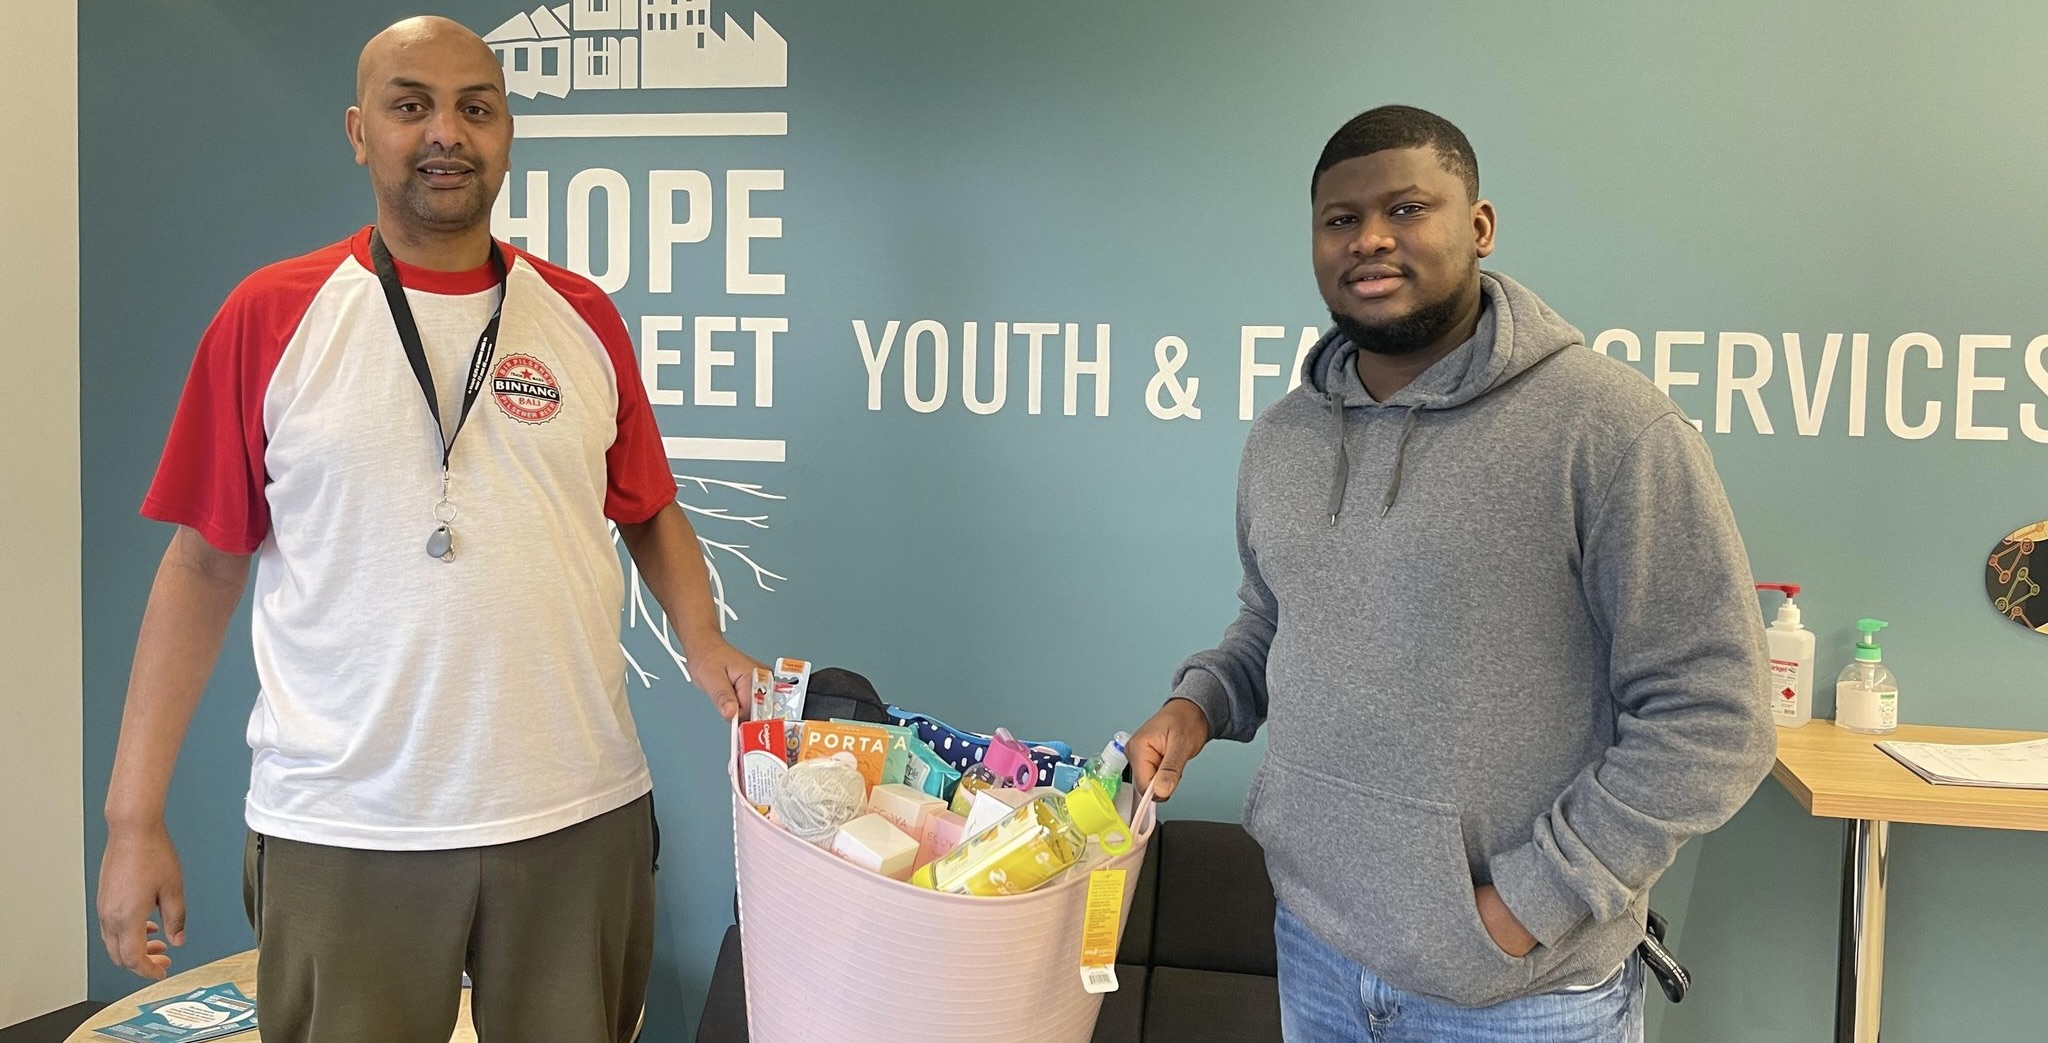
(441, 544)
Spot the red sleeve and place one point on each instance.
(211, 476)
(638, 482)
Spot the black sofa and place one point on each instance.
(1197, 961)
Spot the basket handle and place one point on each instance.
(1146, 816)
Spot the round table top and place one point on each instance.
(240, 969)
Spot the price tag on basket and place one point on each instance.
(1099, 929)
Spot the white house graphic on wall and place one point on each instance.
(631, 44)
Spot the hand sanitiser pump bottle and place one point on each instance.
(1866, 693)
(1792, 645)
(1108, 767)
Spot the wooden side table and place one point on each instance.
(1837, 773)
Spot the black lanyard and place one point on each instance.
(409, 333)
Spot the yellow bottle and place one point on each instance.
(972, 781)
(1021, 853)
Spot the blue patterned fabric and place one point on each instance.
(963, 749)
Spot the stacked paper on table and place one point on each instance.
(2010, 765)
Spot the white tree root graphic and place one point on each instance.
(641, 606)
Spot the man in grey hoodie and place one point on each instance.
(1498, 616)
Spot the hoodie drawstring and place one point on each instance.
(1400, 457)
(1340, 461)
(1340, 474)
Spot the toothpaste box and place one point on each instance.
(763, 760)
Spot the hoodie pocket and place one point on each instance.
(1384, 878)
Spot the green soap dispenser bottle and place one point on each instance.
(1866, 692)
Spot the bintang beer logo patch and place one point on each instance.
(526, 390)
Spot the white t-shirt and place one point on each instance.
(408, 703)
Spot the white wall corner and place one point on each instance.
(43, 963)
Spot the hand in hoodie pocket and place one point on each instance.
(1384, 878)
(1500, 923)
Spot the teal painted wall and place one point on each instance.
(1737, 167)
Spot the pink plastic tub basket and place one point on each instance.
(836, 953)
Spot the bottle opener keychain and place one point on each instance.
(442, 543)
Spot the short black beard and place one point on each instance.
(476, 206)
(1403, 336)
(417, 204)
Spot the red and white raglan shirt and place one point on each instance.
(408, 703)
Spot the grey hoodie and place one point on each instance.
(1504, 630)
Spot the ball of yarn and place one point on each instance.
(816, 797)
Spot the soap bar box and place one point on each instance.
(875, 844)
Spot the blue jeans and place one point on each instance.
(1326, 998)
